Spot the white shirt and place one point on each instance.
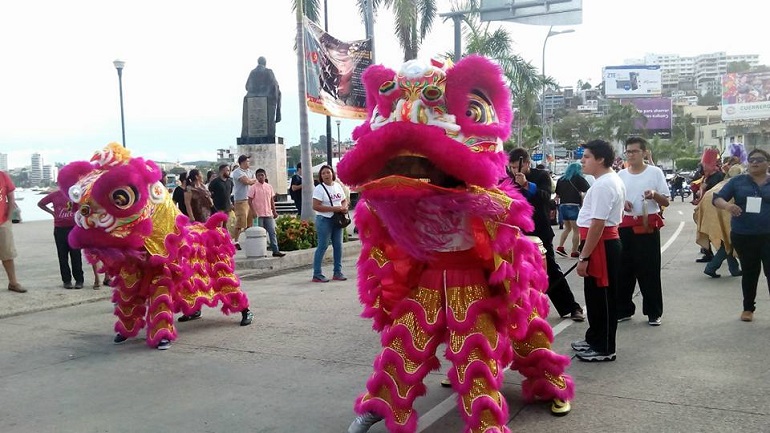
(603, 201)
(636, 184)
(335, 190)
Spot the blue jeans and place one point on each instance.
(326, 230)
(719, 258)
(268, 223)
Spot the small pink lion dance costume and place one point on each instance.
(159, 262)
(444, 258)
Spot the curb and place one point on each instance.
(247, 269)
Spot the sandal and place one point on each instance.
(16, 288)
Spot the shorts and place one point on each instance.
(244, 218)
(7, 247)
(569, 211)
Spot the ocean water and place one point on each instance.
(27, 202)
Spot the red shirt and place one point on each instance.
(63, 209)
(6, 187)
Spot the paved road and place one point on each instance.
(300, 365)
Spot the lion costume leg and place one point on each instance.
(478, 350)
(542, 368)
(408, 355)
(160, 314)
(130, 304)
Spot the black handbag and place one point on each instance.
(340, 219)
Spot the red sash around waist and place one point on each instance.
(597, 264)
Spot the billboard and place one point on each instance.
(658, 113)
(632, 81)
(333, 73)
(746, 96)
(541, 12)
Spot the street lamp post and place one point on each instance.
(119, 65)
(339, 148)
(551, 32)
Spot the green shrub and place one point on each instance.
(295, 234)
(687, 163)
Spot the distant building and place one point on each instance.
(36, 170)
(3, 162)
(50, 173)
(227, 156)
(702, 72)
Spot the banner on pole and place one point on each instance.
(333, 73)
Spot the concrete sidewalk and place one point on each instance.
(37, 268)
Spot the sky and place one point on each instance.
(187, 64)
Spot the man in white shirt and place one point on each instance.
(599, 260)
(243, 178)
(646, 192)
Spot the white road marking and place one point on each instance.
(680, 212)
(443, 408)
(672, 238)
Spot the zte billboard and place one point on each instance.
(632, 81)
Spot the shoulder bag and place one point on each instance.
(340, 219)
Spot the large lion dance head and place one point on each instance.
(431, 126)
(117, 195)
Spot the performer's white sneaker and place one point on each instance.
(363, 422)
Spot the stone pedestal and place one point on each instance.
(272, 158)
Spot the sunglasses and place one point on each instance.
(757, 160)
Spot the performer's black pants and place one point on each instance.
(600, 302)
(65, 253)
(559, 291)
(640, 262)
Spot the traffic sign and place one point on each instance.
(579, 152)
(537, 157)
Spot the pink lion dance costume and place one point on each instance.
(159, 262)
(444, 258)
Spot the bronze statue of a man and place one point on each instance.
(262, 94)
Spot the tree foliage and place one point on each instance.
(413, 21)
(709, 99)
(742, 66)
(311, 9)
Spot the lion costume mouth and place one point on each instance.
(417, 168)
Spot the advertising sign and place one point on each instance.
(658, 113)
(333, 73)
(632, 81)
(746, 96)
(540, 12)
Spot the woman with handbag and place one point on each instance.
(332, 217)
(570, 189)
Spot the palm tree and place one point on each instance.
(311, 9)
(414, 19)
(619, 122)
(304, 134)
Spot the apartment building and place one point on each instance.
(50, 173)
(702, 72)
(36, 170)
(3, 162)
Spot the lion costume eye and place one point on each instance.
(480, 109)
(123, 198)
(432, 93)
